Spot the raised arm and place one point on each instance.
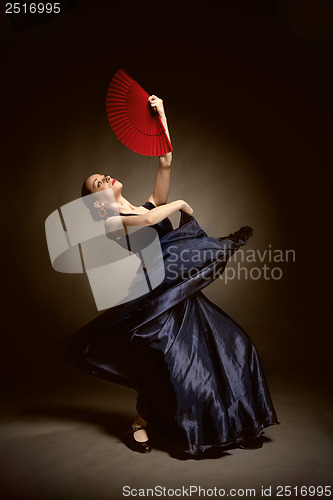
(162, 183)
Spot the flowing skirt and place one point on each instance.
(196, 371)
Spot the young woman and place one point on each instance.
(197, 373)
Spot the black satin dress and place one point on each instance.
(196, 371)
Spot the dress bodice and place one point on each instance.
(162, 227)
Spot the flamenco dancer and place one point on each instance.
(197, 373)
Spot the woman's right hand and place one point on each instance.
(186, 207)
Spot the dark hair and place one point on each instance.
(84, 190)
(95, 212)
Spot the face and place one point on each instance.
(99, 182)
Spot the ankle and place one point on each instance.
(139, 422)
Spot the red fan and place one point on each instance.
(131, 118)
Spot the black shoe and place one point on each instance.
(140, 447)
(239, 237)
(251, 444)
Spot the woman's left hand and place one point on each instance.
(156, 104)
(162, 183)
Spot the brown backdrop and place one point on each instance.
(247, 91)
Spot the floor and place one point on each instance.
(67, 443)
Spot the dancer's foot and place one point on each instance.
(139, 433)
(241, 236)
(137, 445)
(251, 444)
(139, 438)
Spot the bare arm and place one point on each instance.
(151, 217)
(162, 182)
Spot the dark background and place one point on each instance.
(247, 88)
